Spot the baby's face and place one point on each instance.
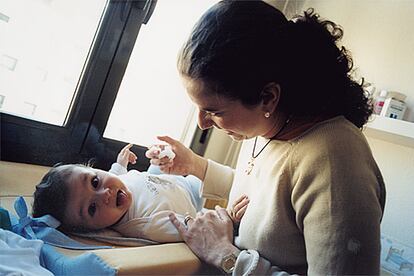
(96, 198)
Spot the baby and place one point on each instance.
(136, 204)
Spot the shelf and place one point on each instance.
(391, 130)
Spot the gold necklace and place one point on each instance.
(250, 164)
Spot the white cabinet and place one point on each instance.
(391, 130)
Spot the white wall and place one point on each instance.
(380, 36)
(397, 166)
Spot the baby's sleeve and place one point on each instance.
(152, 169)
(118, 169)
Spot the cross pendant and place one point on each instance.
(250, 166)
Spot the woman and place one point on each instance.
(316, 194)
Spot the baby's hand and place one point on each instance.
(126, 156)
(237, 210)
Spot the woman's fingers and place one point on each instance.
(208, 233)
(188, 220)
(166, 168)
(168, 140)
(165, 160)
(222, 214)
(155, 151)
(162, 162)
(177, 159)
(182, 229)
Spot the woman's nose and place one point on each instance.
(204, 120)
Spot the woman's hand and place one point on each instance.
(126, 156)
(209, 235)
(185, 161)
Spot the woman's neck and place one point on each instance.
(295, 126)
(280, 123)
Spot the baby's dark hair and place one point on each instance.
(51, 194)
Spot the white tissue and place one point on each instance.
(166, 152)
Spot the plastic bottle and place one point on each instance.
(379, 102)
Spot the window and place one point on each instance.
(89, 83)
(89, 118)
(41, 62)
(1, 100)
(151, 97)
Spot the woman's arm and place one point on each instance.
(210, 237)
(217, 179)
(336, 198)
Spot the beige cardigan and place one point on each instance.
(316, 203)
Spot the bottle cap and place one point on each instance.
(396, 95)
(383, 93)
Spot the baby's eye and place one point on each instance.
(95, 182)
(92, 209)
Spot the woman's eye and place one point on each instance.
(92, 209)
(95, 182)
(215, 114)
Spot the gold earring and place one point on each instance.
(267, 114)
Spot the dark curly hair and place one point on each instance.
(51, 194)
(237, 47)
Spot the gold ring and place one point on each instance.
(186, 219)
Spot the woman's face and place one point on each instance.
(231, 116)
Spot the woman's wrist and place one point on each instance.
(226, 251)
(200, 167)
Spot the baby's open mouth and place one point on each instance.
(121, 198)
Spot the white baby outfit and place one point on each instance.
(154, 197)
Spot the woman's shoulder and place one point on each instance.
(334, 149)
(335, 137)
(330, 132)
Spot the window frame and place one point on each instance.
(81, 138)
